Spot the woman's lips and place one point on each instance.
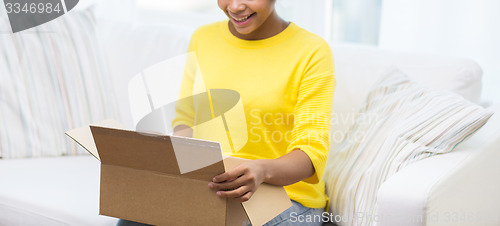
(242, 21)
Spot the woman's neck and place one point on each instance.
(271, 27)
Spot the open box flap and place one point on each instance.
(266, 203)
(196, 159)
(135, 150)
(83, 136)
(194, 154)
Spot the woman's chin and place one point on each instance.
(244, 31)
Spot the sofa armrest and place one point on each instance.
(458, 188)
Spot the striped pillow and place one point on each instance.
(402, 122)
(53, 78)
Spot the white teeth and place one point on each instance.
(242, 19)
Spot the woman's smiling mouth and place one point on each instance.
(243, 20)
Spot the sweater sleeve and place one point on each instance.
(312, 112)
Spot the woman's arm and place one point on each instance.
(307, 153)
(288, 169)
(246, 178)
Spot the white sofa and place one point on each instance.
(440, 190)
(457, 188)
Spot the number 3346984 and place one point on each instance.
(33, 8)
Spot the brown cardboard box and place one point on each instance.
(163, 180)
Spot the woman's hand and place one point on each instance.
(183, 131)
(241, 182)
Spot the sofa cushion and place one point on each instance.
(358, 68)
(401, 122)
(54, 78)
(51, 192)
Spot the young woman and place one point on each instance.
(284, 76)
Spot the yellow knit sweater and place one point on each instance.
(285, 85)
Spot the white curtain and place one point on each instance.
(310, 15)
(468, 28)
(356, 21)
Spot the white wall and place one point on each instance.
(449, 27)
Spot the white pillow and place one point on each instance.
(358, 68)
(400, 123)
(53, 78)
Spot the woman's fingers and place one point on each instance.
(239, 183)
(244, 179)
(228, 185)
(241, 194)
(245, 197)
(228, 176)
